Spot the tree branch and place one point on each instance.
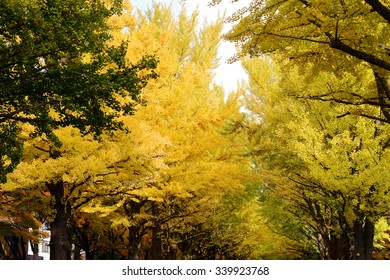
(336, 43)
(380, 9)
(296, 38)
(36, 121)
(383, 94)
(346, 102)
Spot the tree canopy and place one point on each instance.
(57, 68)
(332, 37)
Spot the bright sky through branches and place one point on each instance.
(226, 74)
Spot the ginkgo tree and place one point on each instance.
(58, 68)
(347, 38)
(328, 172)
(71, 175)
(68, 75)
(201, 163)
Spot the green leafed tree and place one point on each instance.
(58, 68)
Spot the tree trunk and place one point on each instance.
(156, 237)
(339, 247)
(18, 247)
(134, 244)
(364, 240)
(59, 240)
(383, 94)
(156, 243)
(134, 240)
(35, 250)
(2, 252)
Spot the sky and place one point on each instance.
(226, 75)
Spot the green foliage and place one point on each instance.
(11, 150)
(57, 68)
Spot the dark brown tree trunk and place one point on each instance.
(156, 243)
(363, 240)
(339, 247)
(134, 240)
(18, 247)
(59, 240)
(156, 237)
(89, 249)
(84, 242)
(134, 244)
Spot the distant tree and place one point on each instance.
(329, 175)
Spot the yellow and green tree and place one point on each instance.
(58, 68)
(327, 171)
(347, 38)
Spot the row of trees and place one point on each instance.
(116, 137)
(320, 96)
(325, 177)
